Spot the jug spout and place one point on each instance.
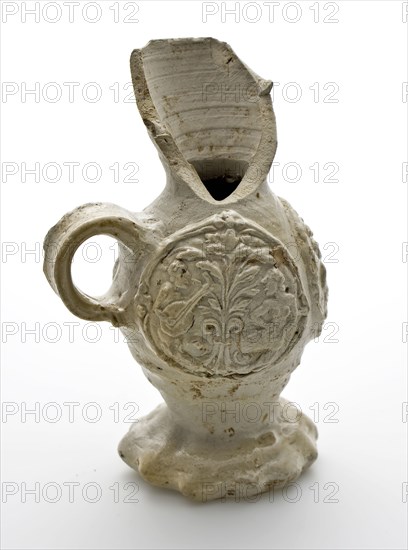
(208, 114)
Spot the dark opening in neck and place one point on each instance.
(221, 177)
(222, 187)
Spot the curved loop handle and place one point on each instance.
(63, 240)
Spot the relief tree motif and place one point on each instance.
(224, 301)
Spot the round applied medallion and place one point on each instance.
(222, 298)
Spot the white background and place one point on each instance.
(360, 368)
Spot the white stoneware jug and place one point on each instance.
(218, 285)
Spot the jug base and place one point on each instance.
(203, 470)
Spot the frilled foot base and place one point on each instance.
(208, 469)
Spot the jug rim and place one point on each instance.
(176, 164)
